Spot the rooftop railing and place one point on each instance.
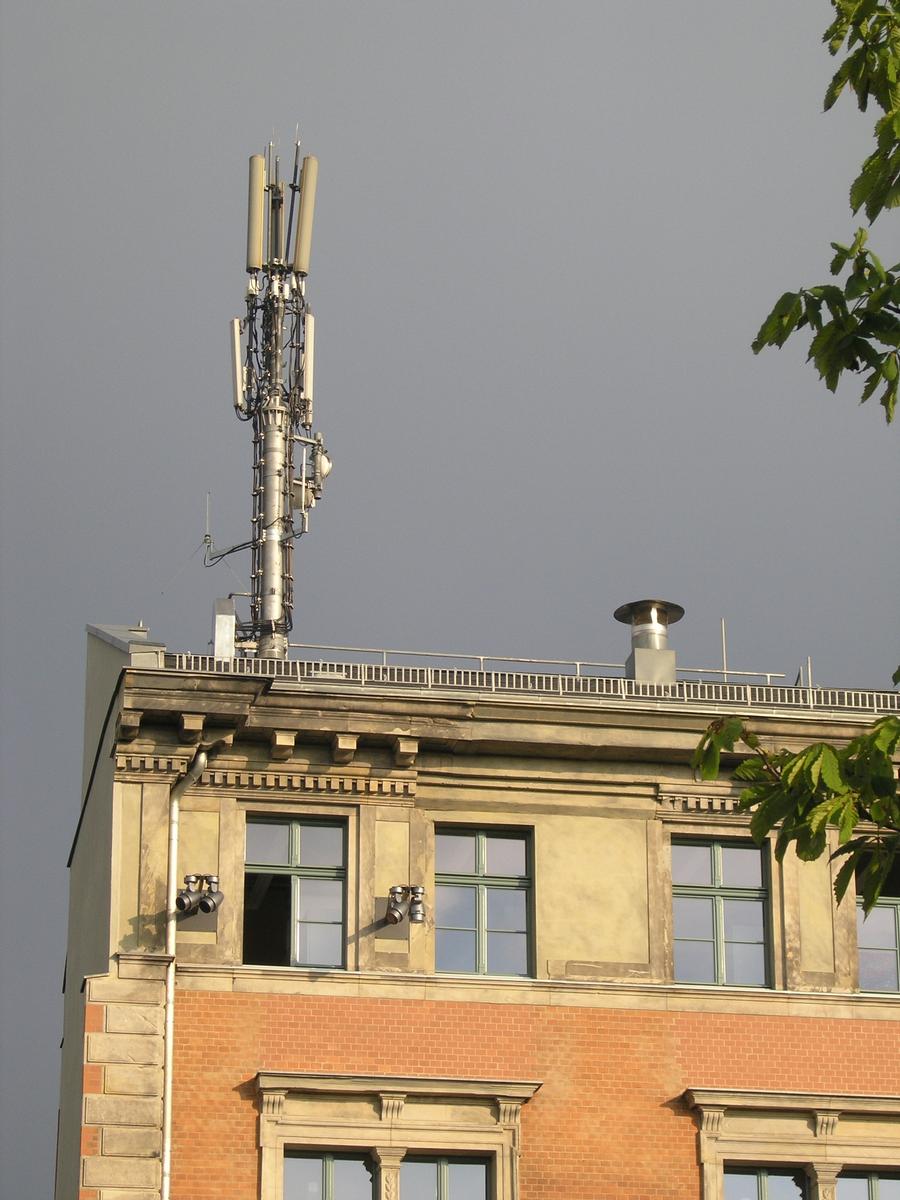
(537, 678)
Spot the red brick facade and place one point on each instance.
(608, 1121)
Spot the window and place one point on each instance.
(482, 900)
(294, 894)
(878, 936)
(443, 1179)
(327, 1177)
(853, 1186)
(758, 1183)
(719, 913)
(324, 1137)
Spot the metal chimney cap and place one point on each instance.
(667, 612)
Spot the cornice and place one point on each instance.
(288, 781)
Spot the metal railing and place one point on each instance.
(574, 683)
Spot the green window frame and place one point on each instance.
(868, 1185)
(295, 875)
(483, 906)
(761, 1183)
(452, 1178)
(312, 1176)
(720, 903)
(878, 940)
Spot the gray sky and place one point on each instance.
(545, 237)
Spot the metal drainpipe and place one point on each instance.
(190, 777)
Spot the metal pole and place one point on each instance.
(275, 432)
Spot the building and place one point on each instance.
(611, 992)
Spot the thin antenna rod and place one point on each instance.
(724, 654)
(290, 224)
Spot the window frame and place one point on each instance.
(762, 1176)
(719, 892)
(872, 1178)
(442, 1162)
(296, 872)
(891, 903)
(327, 1158)
(481, 881)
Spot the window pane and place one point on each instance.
(302, 1178)
(268, 842)
(853, 1187)
(888, 1188)
(745, 964)
(455, 906)
(878, 971)
(320, 945)
(505, 909)
(505, 856)
(695, 962)
(741, 866)
(321, 900)
(455, 950)
(786, 1185)
(743, 920)
(468, 1181)
(693, 917)
(878, 930)
(740, 1185)
(321, 846)
(691, 864)
(418, 1180)
(352, 1180)
(455, 853)
(507, 954)
(267, 919)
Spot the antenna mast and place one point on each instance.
(272, 358)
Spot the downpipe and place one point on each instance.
(195, 770)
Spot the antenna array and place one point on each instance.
(273, 353)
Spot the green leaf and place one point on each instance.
(843, 877)
(830, 771)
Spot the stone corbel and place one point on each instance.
(129, 725)
(343, 748)
(272, 1103)
(826, 1122)
(282, 743)
(190, 727)
(391, 1105)
(405, 751)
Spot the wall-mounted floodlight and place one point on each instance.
(416, 905)
(188, 899)
(205, 898)
(212, 898)
(405, 900)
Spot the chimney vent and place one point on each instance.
(651, 660)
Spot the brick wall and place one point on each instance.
(607, 1123)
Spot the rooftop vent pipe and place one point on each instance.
(650, 660)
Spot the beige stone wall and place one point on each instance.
(122, 1107)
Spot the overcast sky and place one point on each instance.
(545, 237)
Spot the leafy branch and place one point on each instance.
(861, 332)
(803, 794)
